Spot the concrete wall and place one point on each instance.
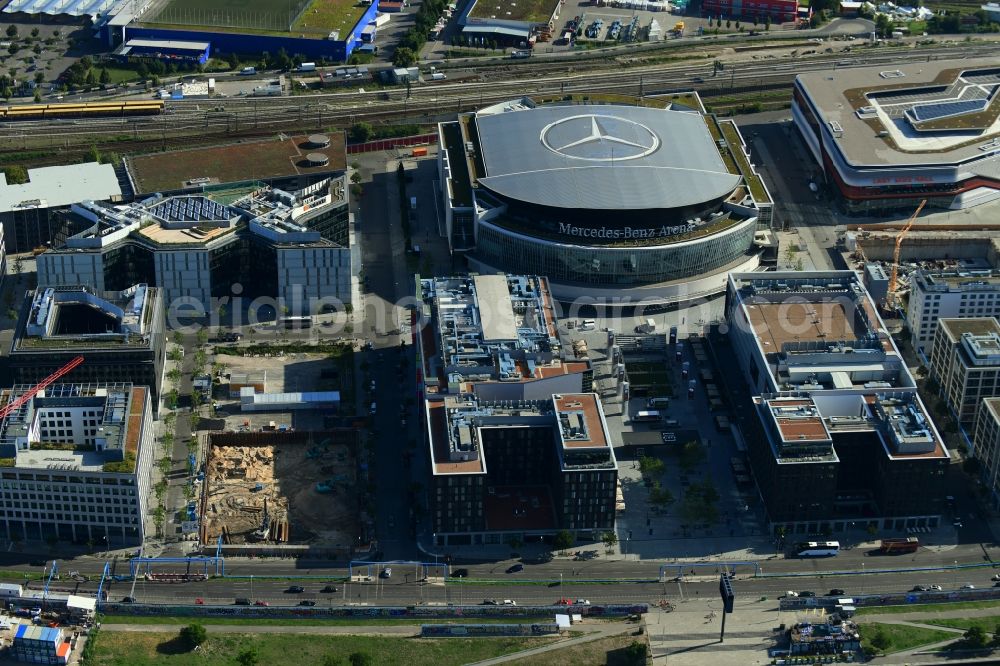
(953, 245)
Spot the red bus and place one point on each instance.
(900, 546)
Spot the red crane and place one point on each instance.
(48, 381)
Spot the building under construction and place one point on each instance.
(282, 488)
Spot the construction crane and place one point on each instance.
(45, 383)
(890, 298)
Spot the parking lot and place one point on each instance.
(47, 47)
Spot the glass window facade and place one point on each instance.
(581, 264)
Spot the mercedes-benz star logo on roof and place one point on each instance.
(597, 138)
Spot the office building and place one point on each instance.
(841, 437)
(610, 202)
(76, 464)
(886, 137)
(121, 336)
(28, 211)
(518, 443)
(758, 11)
(986, 445)
(290, 246)
(965, 363)
(936, 295)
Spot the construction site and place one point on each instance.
(266, 489)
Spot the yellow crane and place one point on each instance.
(890, 299)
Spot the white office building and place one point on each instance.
(935, 295)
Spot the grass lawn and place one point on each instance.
(988, 623)
(149, 649)
(901, 636)
(927, 608)
(118, 74)
(610, 651)
(329, 15)
(303, 622)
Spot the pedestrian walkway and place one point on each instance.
(593, 634)
(403, 630)
(916, 616)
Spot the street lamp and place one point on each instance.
(251, 588)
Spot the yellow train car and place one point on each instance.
(83, 110)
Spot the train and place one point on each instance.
(83, 110)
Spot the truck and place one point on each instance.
(248, 71)
(899, 546)
(306, 67)
(520, 54)
(648, 327)
(438, 76)
(679, 27)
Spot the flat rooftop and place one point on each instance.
(798, 420)
(581, 422)
(956, 280)
(949, 126)
(51, 187)
(777, 323)
(955, 327)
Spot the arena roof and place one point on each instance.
(602, 157)
(939, 112)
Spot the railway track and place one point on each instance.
(199, 122)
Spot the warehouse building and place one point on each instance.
(841, 437)
(121, 336)
(77, 464)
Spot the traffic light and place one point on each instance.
(726, 592)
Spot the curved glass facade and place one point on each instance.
(581, 264)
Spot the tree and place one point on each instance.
(563, 539)
(975, 636)
(282, 61)
(883, 25)
(16, 174)
(650, 466)
(635, 654)
(91, 78)
(193, 635)
(610, 539)
(404, 57)
(659, 496)
(360, 659)
(880, 640)
(361, 132)
(248, 657)
(692, 454)
(12, 31)
(39, 77)
(105, 77)
(92, 154)
(233, 61)
(86, 62)
(34, 33)
(767, 23)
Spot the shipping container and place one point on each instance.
(420, 152)
(10, 590)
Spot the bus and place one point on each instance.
(295, 322)
(658, 403)
(647, 417)
(818, 548)
(899, 546)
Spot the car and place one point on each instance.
(957, 522)
(514, 568)
(668, 437)
(995, 577)
(791, 595)
(489, 602)
(564, 602)
(508, 602)
(968, 586)
(261, 603)
(582, 602)
(386, 573)
(920, 588)
(307, 602)
(936, 588)
(241, 601)
(544, 558)
(836, 592)
(295, 589)
(996, 584)
(329, 589)
(199, 601)
(460, 573)
(807, 593)
(128, 600)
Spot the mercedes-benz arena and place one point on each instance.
(618, 203)
(887, 137)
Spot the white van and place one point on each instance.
(588, 325)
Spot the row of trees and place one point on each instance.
(415, 38)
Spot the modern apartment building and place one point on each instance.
(121, 336)
(518, 442)
(965, 362)
(841, 437)
(291, 246)
(986, 443)
(75, 464)
(935, 295)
